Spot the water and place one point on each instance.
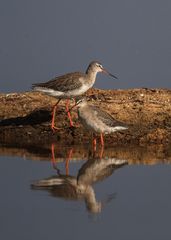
(134, 198)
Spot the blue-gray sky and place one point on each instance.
(41, 39)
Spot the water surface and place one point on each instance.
(131, 190)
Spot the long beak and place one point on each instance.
(73, 106)
(105, 71)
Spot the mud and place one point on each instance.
(25, 118)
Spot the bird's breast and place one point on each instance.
(90, 120)
(78, 91)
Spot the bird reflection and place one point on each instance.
(69, 156)
(80, 187)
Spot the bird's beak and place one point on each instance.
(74, 106)
(105, 71)
(69, 110)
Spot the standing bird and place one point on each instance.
(97, 120)
(80, 187)
(70, 85)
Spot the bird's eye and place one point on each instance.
(99, 65)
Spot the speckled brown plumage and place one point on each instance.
(63, 83)
(69, 86)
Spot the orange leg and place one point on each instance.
(53, 156)
(67, 161)
(101, 139)
(68, 112)
(94, 144)
(101, 152)
(53, 116)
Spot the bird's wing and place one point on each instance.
(106, 117)
(67, 82)
(54, 181)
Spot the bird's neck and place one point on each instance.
(90, 200)
(91, 75)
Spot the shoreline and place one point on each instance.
(26, 117)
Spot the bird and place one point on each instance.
(80, 186)
(69, 86)
(97, 120)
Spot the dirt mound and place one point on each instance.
(26, 117)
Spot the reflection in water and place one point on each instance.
(69, 156)
(96, 168)
(152, 154)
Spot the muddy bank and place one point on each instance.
(153, 154)
(26, 117)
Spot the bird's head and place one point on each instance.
(96, 67)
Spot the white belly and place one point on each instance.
(68, 94)
(78, 91)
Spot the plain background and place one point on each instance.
(41, 39)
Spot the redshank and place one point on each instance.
(70, 85)
(97, 120)
(80, 186)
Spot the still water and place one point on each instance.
(73, 193)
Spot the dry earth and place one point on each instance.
(25, 118)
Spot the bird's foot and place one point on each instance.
(54, 129)
(74, 126)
